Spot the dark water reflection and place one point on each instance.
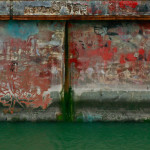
(74, 136)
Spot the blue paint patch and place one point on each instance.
(22, 29)
(89, 117)
(37, 51)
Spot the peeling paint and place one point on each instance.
(110, 56)
(31, 64)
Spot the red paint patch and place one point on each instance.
(141, 51)
(123, 4)
(115, 49)
(112, 6)
(130, 57)
(122, 59)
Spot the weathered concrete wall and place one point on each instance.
(73, 7)
(108, 65)
(110, 69)
(31, 69)
(5, 7)
(113, 7)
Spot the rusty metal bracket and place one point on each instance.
(11, 9)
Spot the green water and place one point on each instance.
(74, 136)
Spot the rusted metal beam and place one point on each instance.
(78, 17)
(4, 17)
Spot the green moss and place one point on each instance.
(79, 117)
(60, 117)
(67, 107)
(70, 105)
(146, 120)
(67, 104)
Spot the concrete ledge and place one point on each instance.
(113, 106)
(112, 116)
(114, 96)
(51, 114)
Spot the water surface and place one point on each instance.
(74, 136)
